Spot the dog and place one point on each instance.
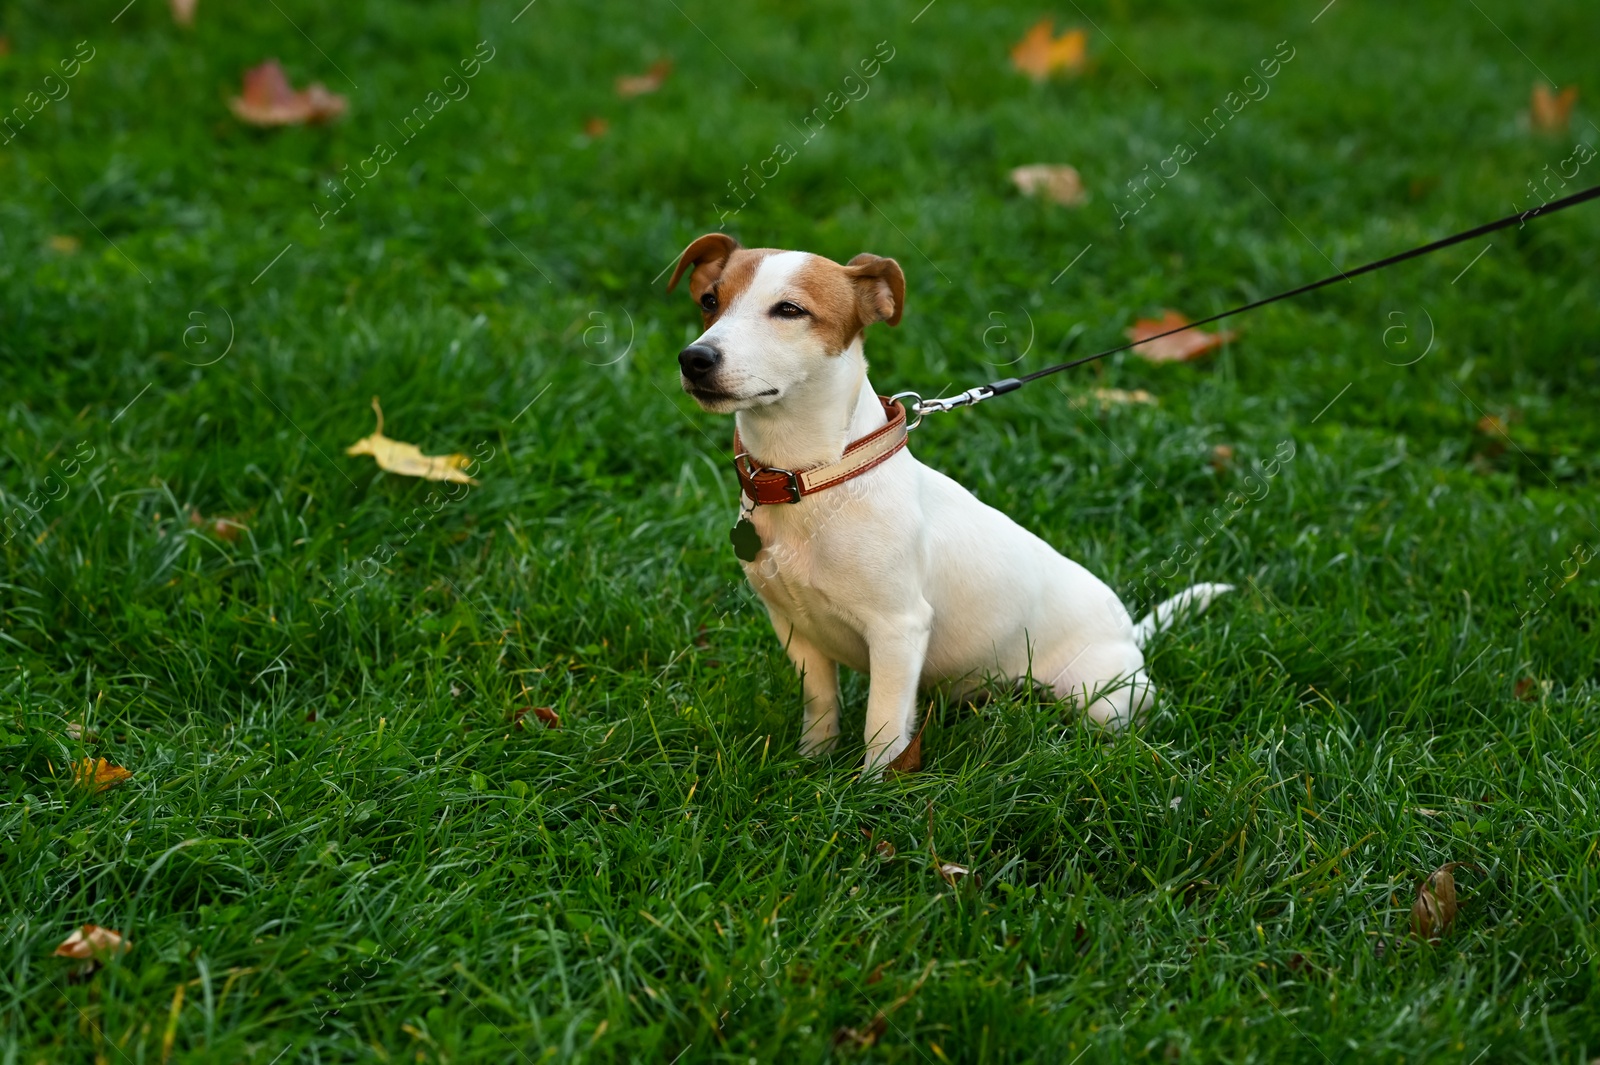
(864, 556)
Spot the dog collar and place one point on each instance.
(767, 485)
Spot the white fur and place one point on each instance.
(902, 573)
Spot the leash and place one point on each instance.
(920, 407)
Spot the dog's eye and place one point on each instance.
(709, 301)
(787, 309)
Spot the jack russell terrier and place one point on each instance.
(863, 555)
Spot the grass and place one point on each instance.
(336, 845)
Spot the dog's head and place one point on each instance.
(774, 319)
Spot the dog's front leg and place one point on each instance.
(898, 646)
(819, 683)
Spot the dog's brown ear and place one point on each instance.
(880, 288)
(708, 255)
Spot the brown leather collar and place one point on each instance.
(767, 485)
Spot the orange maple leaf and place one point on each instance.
(1040, 53)
(1179, 347)
(97, 774)
(268, 99)
(1551, 112)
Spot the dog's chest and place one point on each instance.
(789, 575)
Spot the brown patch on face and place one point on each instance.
(825, 289)
(844, 300)
(729, 282)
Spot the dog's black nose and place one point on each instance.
(697, 360)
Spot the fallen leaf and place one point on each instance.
(75, 730)
(222, 528)
(1526, 689)
(1053, 181)
(268, 100)
(550, 718)
(5, 45)
(97, 774)
(183, 11)
(407, 459)
(1179, 347)
(951, 870)
(1297, 962)
(1435, 909)
(62, 244)
(1552, 112)
(1424, 811)
(595, 127)
(638, 84)
(884, 849)
(1221, 457)
(910, 759)
(1113, 397)
(1040, 53)
(92, 942)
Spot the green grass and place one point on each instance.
(337, 847)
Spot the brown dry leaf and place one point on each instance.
(97, 774)
(1040, 53)
(595, 126)
(1113, 397)
(183, 11)
(92, 942)
(1221, 457)
(1551, 112)
(550, 718)
(884, 849)
(1435, 909)
(910, 759)
(62, 244)
(407, 459)
(268, 100)
(1179, 347)
(1053, 181)
(631, 85)
(5, 45)
(1526, 689)
(951, 870)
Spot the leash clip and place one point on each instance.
(968, 398)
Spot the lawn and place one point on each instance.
(340, 841)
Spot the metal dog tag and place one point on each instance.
(746, 541)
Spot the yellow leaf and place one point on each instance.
(1040, 54)
(407, 459)
(97, 774)
(1053, 181)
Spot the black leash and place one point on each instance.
(971, 396)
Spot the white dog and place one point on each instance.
(863, 555)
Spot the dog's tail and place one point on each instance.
(1196, 597)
